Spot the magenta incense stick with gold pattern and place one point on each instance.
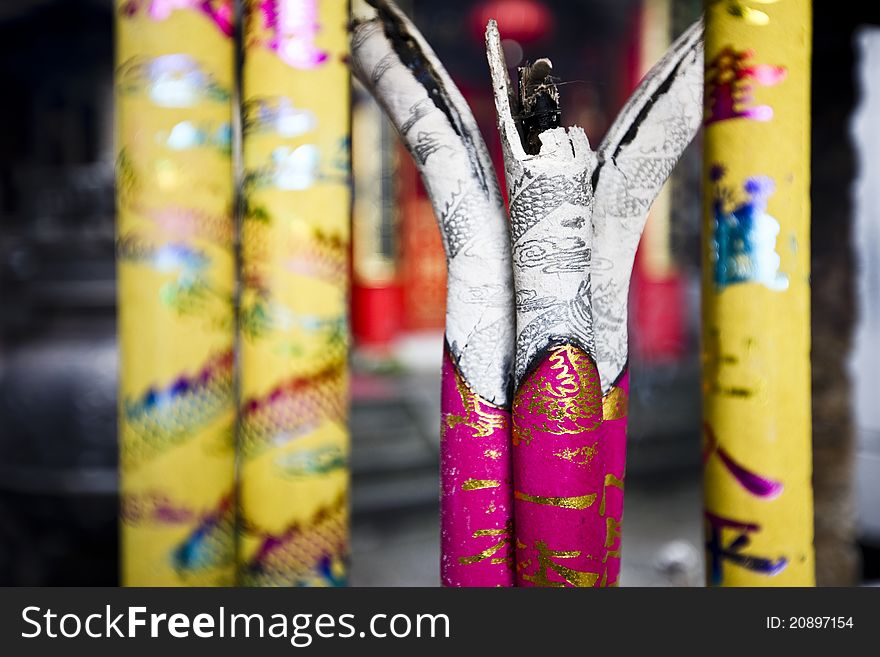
(576, 218)
(399, 68)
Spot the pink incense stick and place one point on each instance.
(576, 219)
(393, 61)
(558, 467)
(476, 498)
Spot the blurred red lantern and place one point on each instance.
(525, 21)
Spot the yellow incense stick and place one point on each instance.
(756, 294)
(176, 274)
(294, 440)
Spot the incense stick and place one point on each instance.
(294, 439)
(756, 296)
(176, 276)
(399, 68)
(576, 218)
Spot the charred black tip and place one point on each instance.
(538, 103)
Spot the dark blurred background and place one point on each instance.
(58, 360)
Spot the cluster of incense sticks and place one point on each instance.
(756, 295)
(536, 497)
(294, 441)
(176, 273)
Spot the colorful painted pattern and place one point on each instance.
(162, 418)
(207, 544)
(730, 86)
(745, 234)
(756, 295)
(290, 29)
(310, 553)
(220, 12)
(568, 473)
(294, 441)
(176, 276)
(476, 488)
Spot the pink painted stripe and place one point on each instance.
(476, 506)
(613, 441)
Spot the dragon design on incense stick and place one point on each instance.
(163, 417)
(571, 196)
(390, 57)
